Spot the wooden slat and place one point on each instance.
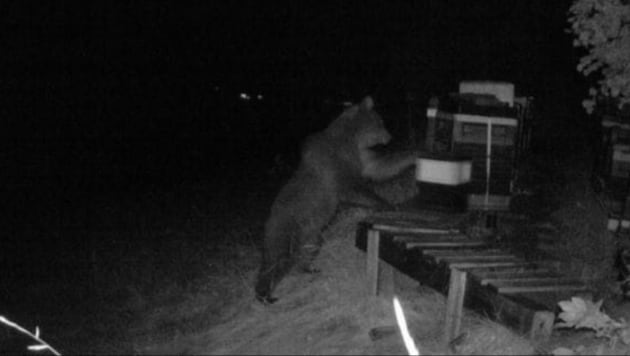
(542, 325)
(525, 279)
(489, 264)
(415, 215)
(481, 259)
(431, 237)
(464, 252)
(549, 281)
(482, 275)
(412, 229)
(560, 284)
(445, 244)
(539, 289)
(422, 216)
(405, 222)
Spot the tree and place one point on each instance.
(602, 28)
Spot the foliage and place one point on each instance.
(602, 28)
(579, 313)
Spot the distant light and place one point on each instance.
(259, 97)
(347, 104)
(245, 96)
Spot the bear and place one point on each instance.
(337, 166)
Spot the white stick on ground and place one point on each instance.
(402, 325)
(43, 345)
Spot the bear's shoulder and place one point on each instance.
(317, 147)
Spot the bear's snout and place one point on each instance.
(382, 138)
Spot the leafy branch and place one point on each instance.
(602, 28)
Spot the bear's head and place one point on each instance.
(360, 124)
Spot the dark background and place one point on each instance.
(125, 148)
(109, 107)
(136, 91)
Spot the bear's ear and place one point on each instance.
(367, 103)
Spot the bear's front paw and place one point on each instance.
(266, 299)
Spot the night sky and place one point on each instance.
(113, 84)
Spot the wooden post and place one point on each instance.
(373, 243)
(455, 303)
(542, 325)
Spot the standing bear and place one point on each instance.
(337, 166)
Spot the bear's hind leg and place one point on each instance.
(269, 276)
(277, 259)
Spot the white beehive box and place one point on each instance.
(504, 91)
(443, 171)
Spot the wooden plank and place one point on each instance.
(414, 216)
(489, 264)
(522, 265)
(484, 276)
(464, 252)
(541, 325)
(518, 279)
(539, 289)
(532, 269)
(482, 259)
(441, 219)
(560, 284)
(445, 244)
(455, 304)
(549, 281)
(406, 223)
(373, 243)
(432, 237)
(412, 229)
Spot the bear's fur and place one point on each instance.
(337, 166)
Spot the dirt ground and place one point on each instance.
(329, 313)
(172, 272)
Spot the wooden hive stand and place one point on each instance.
(477, 270)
